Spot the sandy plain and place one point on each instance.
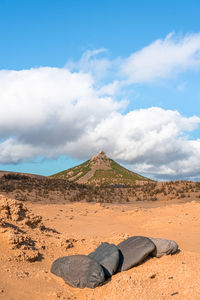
(82, 227)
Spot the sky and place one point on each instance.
(79, 76)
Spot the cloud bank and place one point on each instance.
(54, 111)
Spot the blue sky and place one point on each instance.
(49, 32)
(79, 76)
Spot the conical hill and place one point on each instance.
(100, 170)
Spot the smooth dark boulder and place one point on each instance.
(163, 247)
(107, 255)
(133, 251)
(79, 271)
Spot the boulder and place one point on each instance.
(79, 271)
(133, 251)
(107, 255)
(163, 247)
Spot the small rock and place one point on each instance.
(173, 294)
(152, 276)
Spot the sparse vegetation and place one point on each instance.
(104, 172)
(73, 172)
(57, 190)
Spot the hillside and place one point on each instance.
(101, 170)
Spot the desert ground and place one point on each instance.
(78, 228)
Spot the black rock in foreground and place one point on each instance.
(107, 255)
(163, 247)
(79, 271)
(133, 251)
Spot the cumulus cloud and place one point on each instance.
(162, 59)
(45, 109)
(152, 140)
(56, 111)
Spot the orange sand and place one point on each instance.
(85, 226)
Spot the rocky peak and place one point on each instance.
(100, 155)
(100, 159)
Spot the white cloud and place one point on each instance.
(110, 89)
(150, 140)
(55, 111)
(91, 63)
(47, 108)
(164, 58)
(13, 151)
